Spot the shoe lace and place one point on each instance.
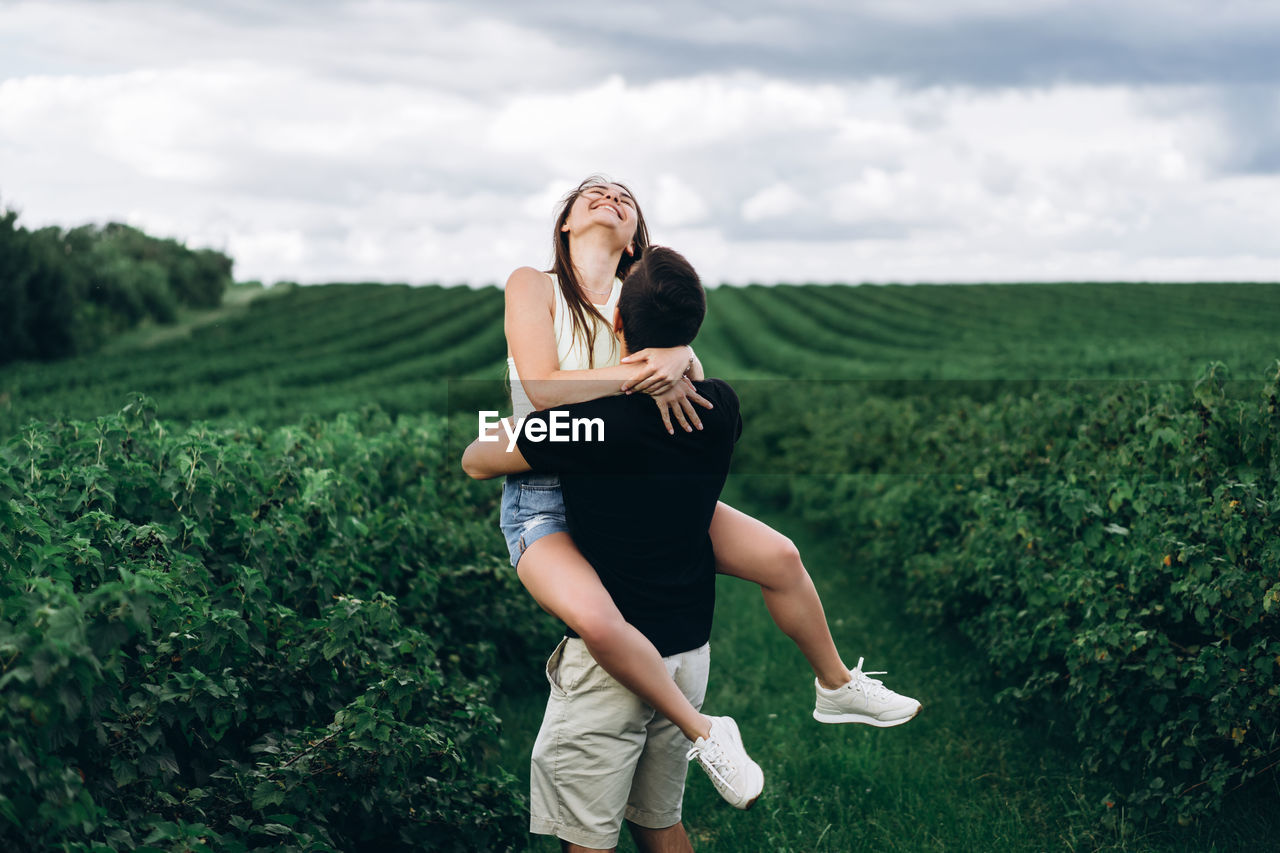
(870, 686)
(714, 761)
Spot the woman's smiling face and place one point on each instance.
(608, 205)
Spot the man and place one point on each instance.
(638, 503)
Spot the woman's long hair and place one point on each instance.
(567, 277)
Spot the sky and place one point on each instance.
(866, 140)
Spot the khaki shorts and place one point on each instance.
(603, 754)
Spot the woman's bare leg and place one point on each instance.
(562, 581)
(752, 550)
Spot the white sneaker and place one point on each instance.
(863, 700)
(738, 779)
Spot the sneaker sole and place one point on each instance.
(751, 802)
(758, 775)
(861, 718)
(737, 738)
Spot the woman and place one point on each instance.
(561, 351)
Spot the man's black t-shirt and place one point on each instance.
(639, 506)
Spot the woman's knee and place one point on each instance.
(596, 621)
(601, 631)
(785, 556)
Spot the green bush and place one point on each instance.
(65, 292)
(240, 639)
(1110, 547)
(38, 294)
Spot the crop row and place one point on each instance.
(395, 345)
(1109, 548)
(986, 331)
(252, 640)
(302, 325)
(318, 350)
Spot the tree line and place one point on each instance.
(64, 292)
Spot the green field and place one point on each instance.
(956, 474)
(322, 350)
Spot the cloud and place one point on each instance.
(305, 177)
(989, 43)
(776, 201)
(1249, 123)
(482, 48)
(976, 139)
(677, 204)
(400, 41)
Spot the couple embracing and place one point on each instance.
(621, 536)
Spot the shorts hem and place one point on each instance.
(533, 534)
(572, 834)
(653, 820)
(528, 536)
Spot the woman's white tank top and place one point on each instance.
(571, 349)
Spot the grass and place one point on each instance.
(150, 334)
(962, 776)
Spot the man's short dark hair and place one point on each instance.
(662, 302)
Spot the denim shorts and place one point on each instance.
(532, 507)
